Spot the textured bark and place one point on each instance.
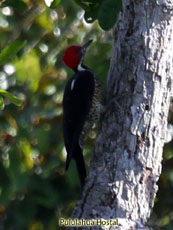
(126, 162)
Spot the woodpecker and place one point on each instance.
(81, 106)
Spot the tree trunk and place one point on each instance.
(126, 162)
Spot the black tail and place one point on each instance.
(80, 164)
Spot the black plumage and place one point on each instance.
(77, 101)
(81, 106)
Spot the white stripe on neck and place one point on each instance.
(80, 68)
(72, 84)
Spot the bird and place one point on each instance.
(82, 103)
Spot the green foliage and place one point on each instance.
(15, 4)
(106, 11)
(10, 51)
(1, 103)
(55, 3)
(15, 100)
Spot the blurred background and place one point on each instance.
(34, 189)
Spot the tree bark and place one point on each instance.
(126, 162)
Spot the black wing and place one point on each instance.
(76, 104)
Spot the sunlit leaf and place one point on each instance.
(55, 3)
(165, 220)
(1, 103)
(36, 225)
(15, 100)
(26, 153)
(28, 70)
(44, 21)
(10, 51)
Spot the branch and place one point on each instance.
(126, 162)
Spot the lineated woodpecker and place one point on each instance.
(81, 106)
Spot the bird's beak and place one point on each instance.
(87, 44)
(83, 50)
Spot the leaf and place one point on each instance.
(108, 13)
(15, 100)
(15, 4)
(55, 3)
(1, 103)
(91, 16)
(88, 5)
(44, 21)
(82, 5)
(28, 69)
(10, 51)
